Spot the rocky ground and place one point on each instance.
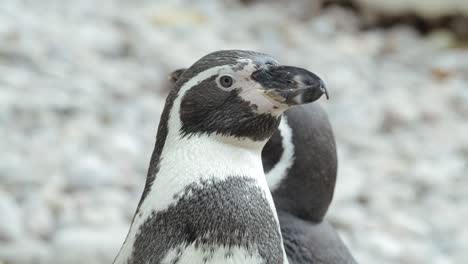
(82, 85)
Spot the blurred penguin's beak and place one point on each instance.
(290, 85)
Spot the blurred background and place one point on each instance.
(82, 86)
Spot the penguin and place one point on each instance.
(206, 198)
(300, 162)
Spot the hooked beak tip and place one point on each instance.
(290, 85)
(324, 90)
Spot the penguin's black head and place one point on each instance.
(239, 93)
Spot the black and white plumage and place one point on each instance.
(206, 199)
(300, 162)
(301, 166)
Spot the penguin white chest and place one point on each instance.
(206, 212)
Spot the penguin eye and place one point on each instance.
(226, 81)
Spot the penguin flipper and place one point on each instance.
(308, 242)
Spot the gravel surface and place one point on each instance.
(82, 85)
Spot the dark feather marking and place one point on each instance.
(206, 109)
(308, 189)
(212, 213)
(312, 243)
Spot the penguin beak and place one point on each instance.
(290, 85)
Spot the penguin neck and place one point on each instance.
(207, 154)
(189, 159)
(214, 142)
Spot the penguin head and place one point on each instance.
(240, 93)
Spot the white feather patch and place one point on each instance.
(190, 255)
(281, 168)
